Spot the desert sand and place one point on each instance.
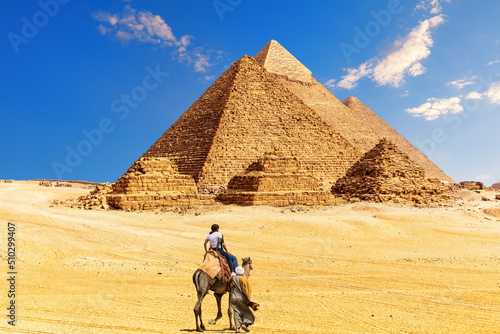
(354, 268)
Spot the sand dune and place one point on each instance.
(357, 268)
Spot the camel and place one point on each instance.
(204, 284)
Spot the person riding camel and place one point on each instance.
(217, 243)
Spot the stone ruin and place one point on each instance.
(275, 180)
(95, 200)
(386, 174)
(472, 185)
(152, 183)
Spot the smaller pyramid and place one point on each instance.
(384, 130)
(275, 180)
(152, 183)
(386, 174)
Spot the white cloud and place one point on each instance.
(433, 6)
(493, 62)
(474, 96)
(330, 83)
(493, 93)
(483, 177)
(201, 63)
(102, 29)
(142, 26)
(405, 59)
(461, 83)
(145, 27)
(434, 108)
(350, 80)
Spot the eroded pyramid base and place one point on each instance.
(153, 183)
(275, 180)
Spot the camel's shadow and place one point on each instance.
(209, 330)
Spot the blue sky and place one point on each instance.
(88, 86)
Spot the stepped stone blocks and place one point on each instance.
(245, 113)
(152, 183)
(275, 180)
(298, 79)
(386, 174)
(384, 130)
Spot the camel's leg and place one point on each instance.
(230, 313)
(197, 313)
(218, 297)
(202, 287)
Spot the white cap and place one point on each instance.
(239, 271)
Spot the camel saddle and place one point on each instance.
(215, 265)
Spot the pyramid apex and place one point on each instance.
(351, 99)
(277, 60)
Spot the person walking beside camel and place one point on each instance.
(239, 299)
(217, 243)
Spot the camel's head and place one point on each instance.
(247, 264)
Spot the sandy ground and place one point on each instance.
(357, 268)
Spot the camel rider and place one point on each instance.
(217, 243)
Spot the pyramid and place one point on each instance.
(298, 79)
(351, 118)
(246, 112)
(152, 183)
(386, 174)
(276, 180)
(383, 129)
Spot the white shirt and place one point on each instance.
(213, 237)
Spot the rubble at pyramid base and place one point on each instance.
(396, 190)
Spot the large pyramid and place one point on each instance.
(386, 174)
(352, 119)
(298, 79)
(384, 130)
(244, 114)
